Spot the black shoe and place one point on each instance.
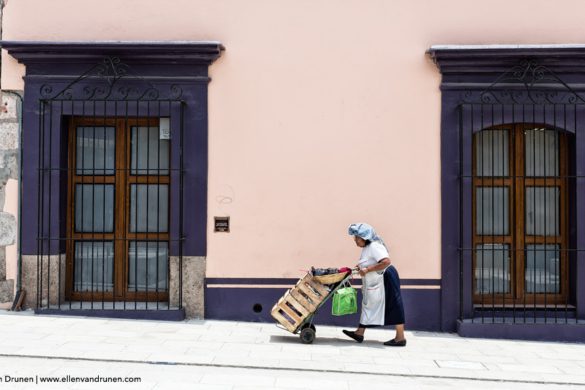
(394, 343)
(354, 335)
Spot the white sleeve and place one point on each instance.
(378, 251)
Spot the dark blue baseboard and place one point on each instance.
(421, 306)
(541, 332)
(160, 315)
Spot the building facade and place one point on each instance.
(195, 159)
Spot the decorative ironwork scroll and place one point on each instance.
(110, 79)
(526, 83)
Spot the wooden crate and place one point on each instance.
(299, 302)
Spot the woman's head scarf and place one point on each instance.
(364, 231)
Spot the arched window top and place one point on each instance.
(519, 150)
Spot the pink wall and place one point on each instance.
(321, 112)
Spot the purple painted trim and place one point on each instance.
(421, 307)
(473, 70)
(542, 332)
(178, 52)
(159, 315)
(243, 281)
(521, 315)
(474, 61)
(165, 64)
(450, 213)
(580, 217)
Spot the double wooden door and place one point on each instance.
(520, 215)
(118, 210)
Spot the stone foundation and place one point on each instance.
(48, 295)
(2, 264)
(193, 285)
(8, 170)
(6, 291)
(6, 286)
(193, 282)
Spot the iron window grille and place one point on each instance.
(517, 198)
(122, 177)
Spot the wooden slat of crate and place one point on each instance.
(316, 298)
(305, 279)
(282, 320)
(290, 312)
(286, 322)
(307, 303)
(294, 318)
(296, 312)
(318, 287)
(305, 307)
(288, 297)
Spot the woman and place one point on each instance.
(381, 298)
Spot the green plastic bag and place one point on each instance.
(344, 301)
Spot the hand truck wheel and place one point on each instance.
(309, 325)
(308, 334)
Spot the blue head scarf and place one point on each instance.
(364, 231)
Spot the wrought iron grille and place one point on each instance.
(517, 198)
(110, 202)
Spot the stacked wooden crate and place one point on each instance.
(299, 303)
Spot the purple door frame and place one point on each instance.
(163, 64)
(469, 70)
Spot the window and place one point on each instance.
(520, 217)
(118, 213)
(524, 263)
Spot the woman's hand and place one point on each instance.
(363, 271)
(382, 264)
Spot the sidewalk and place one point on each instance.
(204, 345)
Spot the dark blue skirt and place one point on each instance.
(394, 308)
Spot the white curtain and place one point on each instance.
(492, 270)
(150, 154)
(491, 153)
(541, 151)
(94, 266)
(96, 150)
(145, 259)
(152, 203)
(94, 208)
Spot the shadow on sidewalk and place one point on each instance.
(336, 342)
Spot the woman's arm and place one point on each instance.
(385, 262)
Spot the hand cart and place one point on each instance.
(295, 311)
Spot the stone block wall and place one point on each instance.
(9, 127)
(46, 291)
(193, 285)
(53, 267)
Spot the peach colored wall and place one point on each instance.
(321, 112)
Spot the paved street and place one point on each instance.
(237, 355)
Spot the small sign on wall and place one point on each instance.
(165, 128)
(221, 224)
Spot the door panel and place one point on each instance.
(118, 210)
(519, 216)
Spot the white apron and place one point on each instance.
(373, 299)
